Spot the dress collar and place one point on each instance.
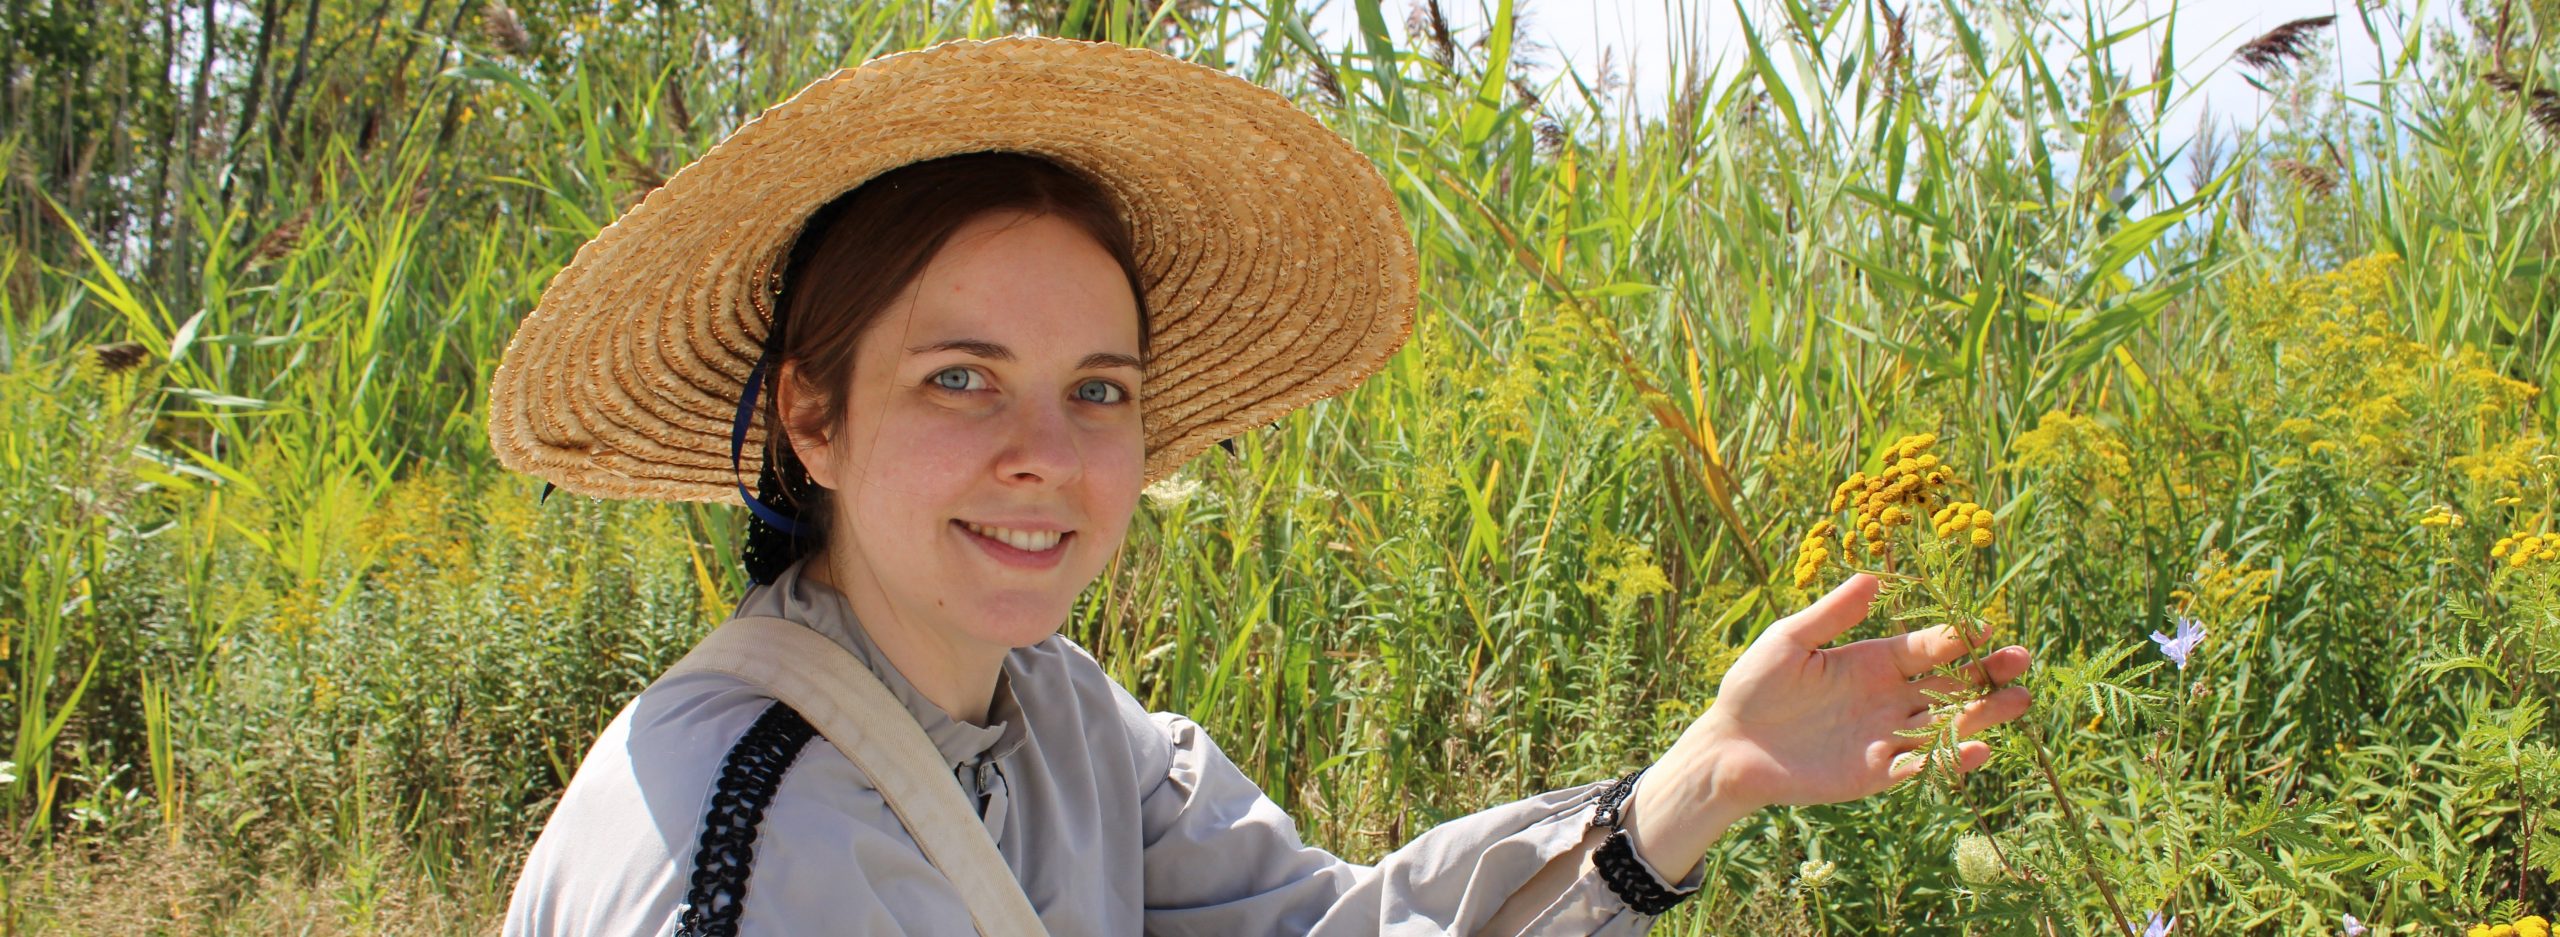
(794, 597)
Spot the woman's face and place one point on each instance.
(991, 454)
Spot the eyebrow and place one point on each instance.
(990, 350)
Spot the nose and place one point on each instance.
(1044, 447)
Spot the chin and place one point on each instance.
(1017, 626)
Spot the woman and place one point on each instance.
(1018, 280)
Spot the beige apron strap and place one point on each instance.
(839, 696)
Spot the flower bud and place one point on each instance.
(1811, 874)
(1977, 862)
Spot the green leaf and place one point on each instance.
(1487, 106)
(524, 91)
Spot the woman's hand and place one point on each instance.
(1799, 723)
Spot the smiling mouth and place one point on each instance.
(1028, 541)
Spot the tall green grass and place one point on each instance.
(281, 626)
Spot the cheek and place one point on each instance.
(906, 463)
(1115, 481)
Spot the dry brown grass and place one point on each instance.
(145, 885)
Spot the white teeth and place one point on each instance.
(1035, 541)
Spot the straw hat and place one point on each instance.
(1276, 265)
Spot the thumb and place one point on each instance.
(1829, 615)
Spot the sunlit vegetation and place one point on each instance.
(2247, 421)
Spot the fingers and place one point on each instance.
(1998, 707)
(1940, 683)
(1999, 667)
(1969, 756)
(1829, 615)
(1994, 669)
(1916, 652)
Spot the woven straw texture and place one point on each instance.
(1276, 265)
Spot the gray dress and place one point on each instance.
(1115, 820)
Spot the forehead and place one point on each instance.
(1035, 279)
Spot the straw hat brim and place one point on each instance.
(1276, 266)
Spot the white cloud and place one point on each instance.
(1642, 36)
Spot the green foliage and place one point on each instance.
(276, 622)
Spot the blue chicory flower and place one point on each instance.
(2190, 634)
(2156, 928)
(2348, 925)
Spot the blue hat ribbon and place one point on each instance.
(738, 446)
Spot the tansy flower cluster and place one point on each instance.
(1964, 519)
(1912, 484)
(2441, 517)
(2531, 925)
(1813, 552)
(2521, 549)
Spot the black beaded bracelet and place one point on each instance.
(1616, 857)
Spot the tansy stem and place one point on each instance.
(2071, 822)
(1885, 574)
(1982, 824)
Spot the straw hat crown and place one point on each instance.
(1276, 265)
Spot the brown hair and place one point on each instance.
(859, 253)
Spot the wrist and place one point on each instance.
(1681, 807)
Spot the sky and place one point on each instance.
(1640, 35)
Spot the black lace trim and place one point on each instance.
(784, 483)
(727, 849)
(1616, 858)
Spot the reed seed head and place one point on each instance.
(281, 240)
(119, 357)
(2541, 104)
(1551, 138)
(1328, 86)
(2275, 51)
(2313, 178)
(503, 29)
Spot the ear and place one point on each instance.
(803, 412)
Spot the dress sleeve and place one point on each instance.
(1222, 858)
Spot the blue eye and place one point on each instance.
(967, 379)
(1100, 391)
